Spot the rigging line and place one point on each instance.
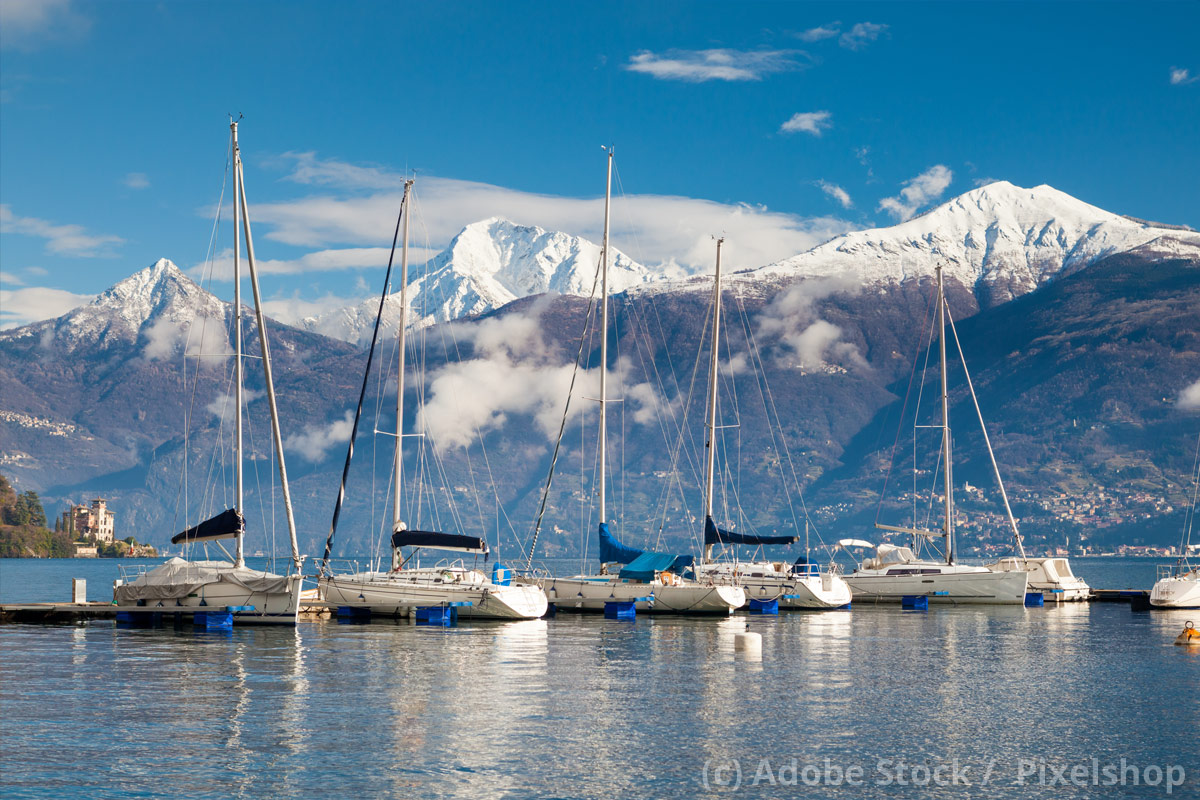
(583, 338)
(1189, 518)
(337, 509)
(903, 409)
(986, 439)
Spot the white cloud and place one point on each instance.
(696, 66)
(314, 442)
(655, 230)
(137, 180)
(66, 240)
(513, 373)
(35, 303)
(793, 320)
(11, 279)
(1180, 77)
(221, 406)
(918, 191)
(814, 122)
(861, 35)
(29, 24)
(1189, 398)
(334, 260)
(837, 193)
(820, 32)
(291, 310)
(205, 339)
(41, 272)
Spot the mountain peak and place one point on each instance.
(1002, 240)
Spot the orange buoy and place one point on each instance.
(1190, 635)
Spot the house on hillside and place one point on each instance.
(82, 522)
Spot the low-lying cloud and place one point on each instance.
(918, 192)
(792, 320)
(313, 443)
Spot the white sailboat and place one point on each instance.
(407, 585)
(653, 581)
(183, 586)
(897, 572)
(1178, 584)
(790, 585)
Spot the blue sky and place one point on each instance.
(777, 123)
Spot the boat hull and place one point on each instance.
(269, 608)
(1176, 593)
(1050, 576)
(960, 588)
(589, 594)
(385, 594)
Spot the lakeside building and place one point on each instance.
(96, 521)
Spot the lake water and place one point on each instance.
(872, 702)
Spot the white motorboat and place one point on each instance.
(407, 585)
(179, 585)
(1051, 576)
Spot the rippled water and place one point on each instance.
(584, 707)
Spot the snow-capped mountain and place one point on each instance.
(155, 307)
(999, 239)
(487, 265)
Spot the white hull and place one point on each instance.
(1050, 576)
(270, 608)
(976, 588)
(398, 593)
(774, 581)
(1179, 592)
(588, 593)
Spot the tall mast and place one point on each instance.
(265, 347)
(398, 463)
(604, 345)
(239, 497)
(949, 528)
(712, 400)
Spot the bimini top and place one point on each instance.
(439, 541)
(225, 525)
(715, 535)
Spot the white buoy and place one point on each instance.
(749, 644)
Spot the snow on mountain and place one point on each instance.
(999, 239)
(154, 307)
(487, 265)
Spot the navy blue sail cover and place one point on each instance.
(439, 541)
(225, 525)
(714, 535)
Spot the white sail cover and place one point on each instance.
(177, 578)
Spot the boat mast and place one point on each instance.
(949, 527)
(604, 345)
(712, 401)
(239, 497)
(398, 462)
(265, 347)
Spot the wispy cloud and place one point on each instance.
(1181, 77)
(331, 260)
(35, 303)
(837, 193)
(29, 25)
(792, 320)
(820, 32)
(137, 180)
(861, 35)
(651, 229)
(863, 154)
(814, 122)
(697, 66)
(1189, 398)
(314, 442)
(65, 240)
(10, 279)
(918, 191)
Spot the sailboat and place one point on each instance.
(180, 585)
(654, 582)
(407, 585)
(1178, 584)
(799, 585)
(897, 572)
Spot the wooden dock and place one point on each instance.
(74, 613)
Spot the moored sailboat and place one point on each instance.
(1178, 584)
(407, 585)
(897, 572)
(186, 586)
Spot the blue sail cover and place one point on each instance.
(714, 535)
(613, 551)
(644, 566)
